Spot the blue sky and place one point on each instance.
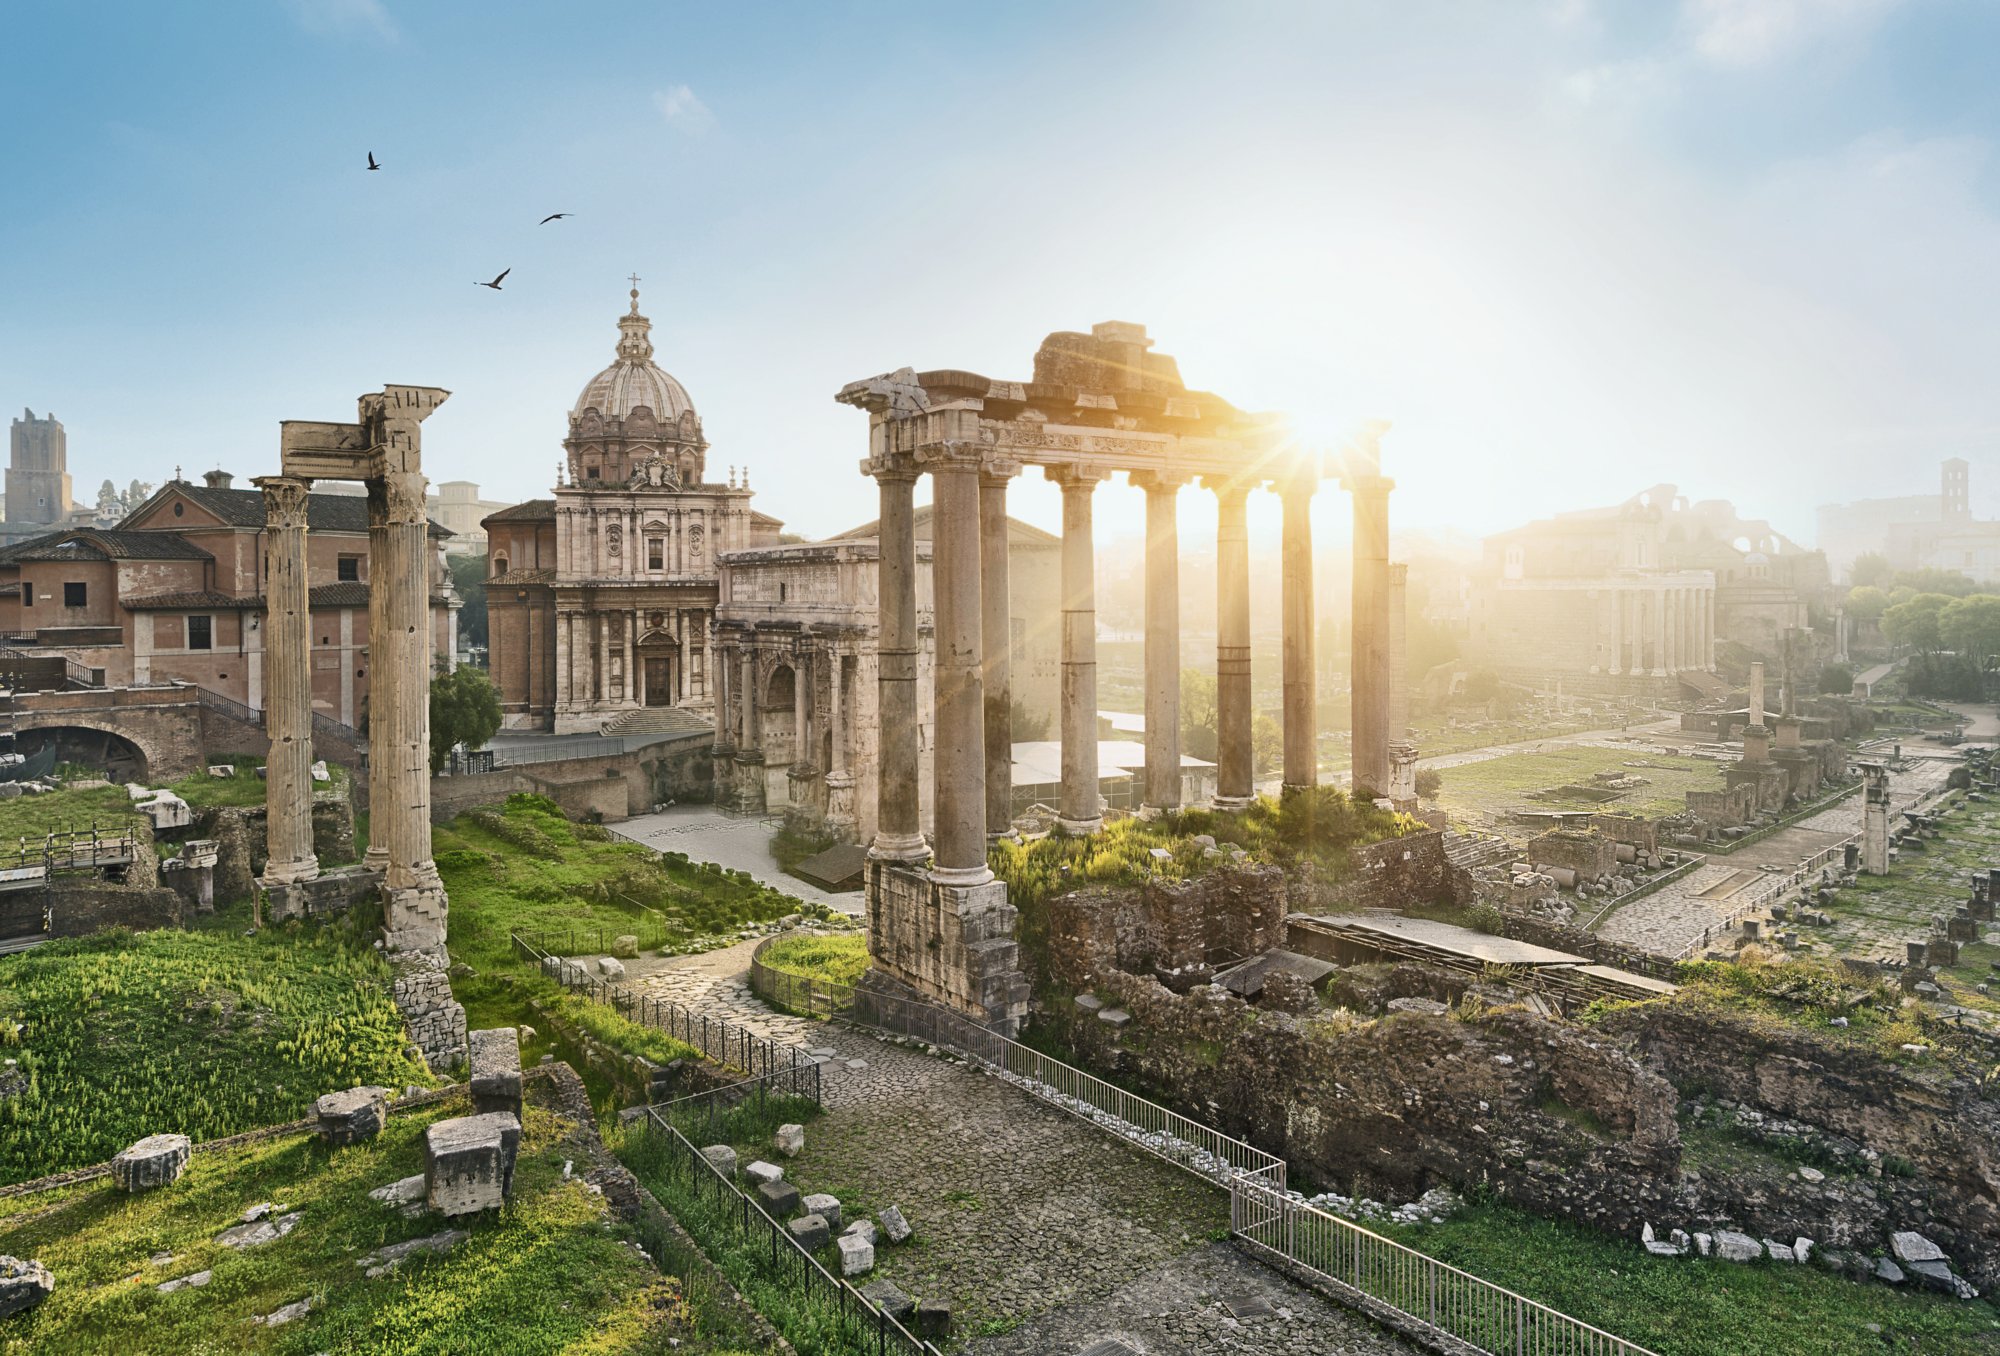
(1570, 249)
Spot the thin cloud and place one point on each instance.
(346, 18)
(680, 106)
(1754, 32)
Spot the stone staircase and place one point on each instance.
(653, 720)
(1707, 686)
(1468, 851)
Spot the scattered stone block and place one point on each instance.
(469, 1162)
(1731, 1246)
(1779, 1252)
(1704, 1244)
(1812, 1175)
(255, 1233)
(197, 1280)
(155, 1161)
(894, 1227)
(400, 1192)
(353, 1116)
(826, 1207)
(722, 1158)
(1908, 1247)
(1428, 1007)
(890, 1299)
(857, 1255)
(625, 946)
(1116, 1018)
(495, 1058)
(862, 1229)
(611, 967)
(790, 1140)
(1802, 1249)
(1089, 1003)
(761, 1172)
(1886, 1270)
(24, 1283)
(810, 1232)
(277, 1318)
(779, 1199)
(933, 1320)
(385, 1260)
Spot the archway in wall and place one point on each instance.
(113, 755)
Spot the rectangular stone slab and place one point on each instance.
(496, 1070)
(469, 1162)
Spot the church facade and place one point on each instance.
(601, 600)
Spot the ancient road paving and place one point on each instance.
(740, 843)
(1677, 914)
(1026, 1220)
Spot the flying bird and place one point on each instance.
(495, 284)
(371, 161)
(553, 216)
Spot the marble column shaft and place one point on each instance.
(997, 641)
(1163, 642)
(898, 835)
(1370, 709)
(406, 618)
(287, 684)
(1234, 780)
(1082, 808)
(383, 677)
(959, 758)
(1300, 680)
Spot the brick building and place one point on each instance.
(175, 593)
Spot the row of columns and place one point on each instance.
(973, 767)
(584, 672)
(1659, 628)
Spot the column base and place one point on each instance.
(288, 873)
(1010, 834)
(1152, 812)
(1231, 804)
(1080, 828)
(1287, 788)
(376, 858)
(413, 919)
(945, 943)
(889, 847)
(962, 877)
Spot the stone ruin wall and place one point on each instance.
(961, 952)
(1393, 874)
(1166, 925)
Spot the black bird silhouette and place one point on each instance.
(495, 284)
(553, 216)
(371, 161)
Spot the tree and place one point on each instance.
(108, 503)
(1866, 604)
(1914, 625)
(1429, 782)
(1948, 582)
(1869, 569)
(468, 580)
(1025, 726)
(137, 493)
(1971, 625)
(1837, 678)
(1198, 719)
(465, 709)
(1267, 744)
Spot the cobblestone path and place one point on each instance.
(1678, 913)
(1026, 1220)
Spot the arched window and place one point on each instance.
(499, 566)
(779, 692)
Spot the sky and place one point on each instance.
(1570, 250)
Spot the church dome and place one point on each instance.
(634, 380)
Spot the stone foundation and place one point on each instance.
(953, 944)
(335, 892)
(435, 1019)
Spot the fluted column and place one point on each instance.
(1708, 630)
(1656, 599)
(383, 678)
(1370, 711)
(601, 690)
(753, 734)
(840, 821)
(1082, 809)
(959, 758)
(996, 631)
(1617, 609)
(898, 835)
(1300, 680)
(287, 684)
(1234, 773)
(718, 662)
(406, 616)
(802, 681)
(1163, 639)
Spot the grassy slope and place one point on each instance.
(1699, 1308)
(1501, 784)
(493, 1293)
(838, 960)
(206, 1033)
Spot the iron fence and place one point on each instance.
(782, 1257)
(1449, 1305)
(700, 1115)
(722, 1042)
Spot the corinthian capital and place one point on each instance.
(284, 500)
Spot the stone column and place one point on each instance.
(1673, 620)
(601, 690)
(752, 730)
(1757, 692)
(1399, 654)
(839, 781)
(287, 684)
(1235, 772)
(383, 673)
(898, 834)
(1163, 639)
(1617, 664)
(562, 659)
(1082, 809)
(959, 759)
(631, 683)
(1370, 490)
(1656, 599)
(802, 683)
(406, 616)
(996, 629)
(1300, 679)
(1875, 819)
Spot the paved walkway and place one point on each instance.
(1676, 915)
(1027, 1221)
(741, 843)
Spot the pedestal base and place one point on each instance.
(334, 892)
(1231, 804)
(744, 794)
(1079, 828)
(953, 944)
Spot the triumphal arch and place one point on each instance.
(1098, 404)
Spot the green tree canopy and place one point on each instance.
(1866, 603)
(468, 579)
(1914, 623)
(1870, 568)
(1971, 625)
(1948, 582)
(465, 709)
(1198, 720)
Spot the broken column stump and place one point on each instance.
(352, 1116)
(496, 1070)
(155, 1161)
(469, 1162)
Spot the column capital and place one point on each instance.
(285, 499)
(951, 454)
(1228, 487)
(1158, 482)
(995, 472)
(1296, 482)
(1070, 477)
(892, 468)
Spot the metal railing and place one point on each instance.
(1369, 1270)
(1761, 895)
(722, 1042)
(783, 1258)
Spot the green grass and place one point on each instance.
(1689, 1307)
(207, 1033)
(551, 1273)
(523, 867)
(1500, 785)
(830, 960)
(35, 816)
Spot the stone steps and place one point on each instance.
(651, 720)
